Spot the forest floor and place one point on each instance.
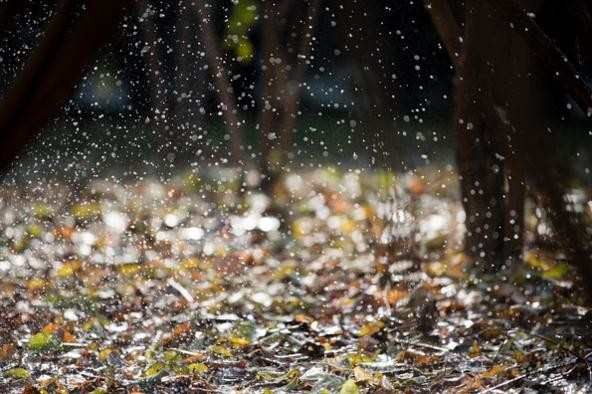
(343, 283)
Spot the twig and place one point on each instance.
(187, 352)
(182, 291)
(507, 382)
(387, 290)
(73, 344)
(561, 375)
(420, 344)
(560, 345)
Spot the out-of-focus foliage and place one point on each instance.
(240, 23)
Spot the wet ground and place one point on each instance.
(346, 281)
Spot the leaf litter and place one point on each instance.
(344, 282)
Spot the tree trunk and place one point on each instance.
(158, 102)
(511, 72)
(52, 73)
(481, 177)
(224, 90)
(294, 84)
(479, 152)
(269, 113)
(282, 75)
(9, 12)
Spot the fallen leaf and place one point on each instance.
(475, 350)
(42, 342)
(370, 329)
(349, 387)
(197, 368)
(17, 373)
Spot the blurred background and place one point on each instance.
(246, 83)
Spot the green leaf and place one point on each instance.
(17, 373)
(171, 356)
(42, 342)
(349, 387)
(42, 211)
(154, 370)
(241, 21)
(557, 272)
(34, 230)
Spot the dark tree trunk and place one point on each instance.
(52, 73)
(509, 66)
(358, 27)
(287, 44)
(492, 207)
(157, 89)
(9, 11)
(481, 177)
(224, 90)
(269, 111)
(291, 98)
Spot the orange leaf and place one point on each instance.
(50, 328)
(6, 351)
(395, 296)
(68, 337)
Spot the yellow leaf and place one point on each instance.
(189, 264)
(370, 329)
(239, 342)
(475, 349)
(170, 356)
(357, 358)
(300, 228)
(293, 374)
(494, 371)
(519, 357)
(347, 226)
(539, 260)
(36, 284)
(349, 387)
(285, 270)
(557, 272)
(221, 351)
(436, 268)
(197, 368)
(68, 268)
(86, 210)
(363, 375)
(244, 51)
(130, 269)
(104, 354)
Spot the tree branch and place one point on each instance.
(447, 27)
(552, 56)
